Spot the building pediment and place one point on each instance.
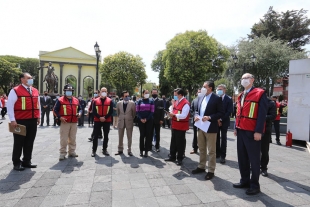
(68, 53)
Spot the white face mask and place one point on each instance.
(245, 82)
(203, 91)
(104, 94)
(146, 95)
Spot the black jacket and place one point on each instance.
(271, 113)
(159, 112)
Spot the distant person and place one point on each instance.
(194, 106)
(276, 122)
(54, 115)
(82, 103)
(4, 101)
(166, 107)
(45, 102)
(115, 115)
(158, 118)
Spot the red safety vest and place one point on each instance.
(3, 102)
(180, 124)
(69, 110)
(278, 112)
(26, 106)
(102, 108)
(246, 116)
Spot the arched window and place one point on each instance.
(71, 79)
(88, 87)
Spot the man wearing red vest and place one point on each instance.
(276, 122)
(102, 111)
(24, 108)
(4, 100)
(68, 110)
(180, 124)
(252, 106)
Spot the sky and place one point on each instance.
(140, 27)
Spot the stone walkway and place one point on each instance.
(135, 181)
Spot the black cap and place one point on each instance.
(68, 87)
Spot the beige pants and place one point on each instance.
(207, 141)
(67, 137)
(115, 121)
(121, 138)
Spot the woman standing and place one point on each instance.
(145, 111)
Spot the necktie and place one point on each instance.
(243, 97)
(29, 90)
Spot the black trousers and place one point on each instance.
(194, 143)
(177, 144)
(90, 118)
(97, 131)
(3, 112)
(265, 147)
(221, 142)
(166, 121)
(81, 119)
(24, 143)
(276, 124)
(146, 135)
(47, 112)
(156, 130)
(248, 151)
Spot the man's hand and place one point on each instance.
(161, 122)
(78, 115)
(171, 114)
(235, 132)
(219, 122)
(38, 121)
(63, 120)
(206, 118)
(257, 136)
(102, 119)
(14, 124)
(196, 118)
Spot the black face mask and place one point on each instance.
(154, 95)
(164, 98)
(45, 94)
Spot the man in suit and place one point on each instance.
(166, 107)
(45, 102)
(252, 106)
(223, 122)
(54, 115)
(194, 106)
(158, 118)
(126, 111)
(82, 105)
(210, 108)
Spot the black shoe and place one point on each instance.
(209, 176)
(198, 170)
(78, 125)
(119, 153)
(193, 151)
(141, 153)
(157, 150)
(241, 185)
(218, 156)
(169, 159)
(105, 152)
(222, 160)
(47, 125)
(90, 139)
(279, 143)
(18, 168)
(146, 154)
(179, 162)
(41, 124)
(29, 165)
(54, 124)
(264, 173)
(93, 154)
(252, 191)
(100, 137)
(130, 154)
(270, 141)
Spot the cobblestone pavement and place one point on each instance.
(135, 181)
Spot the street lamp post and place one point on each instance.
(98, 53)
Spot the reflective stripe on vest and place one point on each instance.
(278, 111)
(23, 103)
(107, 110)
(252, 109)
(65, 109)
(179, 112)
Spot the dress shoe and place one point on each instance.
(47, 125)
(100, 137)
(198, 170)
(41, 124)
(119, 153)
(209, 176)
(241, 185)
(54, 124)
(61, 157)
(193, 152)
(93, 154)
(222, 160)
(169, 159)
(141, 153)
(270, 141)
(157, 150)
(146, 154)
(279, 143)
(264, 173)
(73, 154)
(18, 168)
(105, 152)
(130, 154)
(252, 191)
(179, 162)
(28, 165)
(218, 156)
(91, 139)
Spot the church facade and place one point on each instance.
(70, 66)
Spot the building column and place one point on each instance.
(79, 79)
(60, 76)
(41, 77)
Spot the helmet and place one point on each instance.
(68, 87)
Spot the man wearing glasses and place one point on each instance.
(252, 106)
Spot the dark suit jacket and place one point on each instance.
(47, 103)
(214, 109)
(159, 112)
(227, 108)
(194, 106)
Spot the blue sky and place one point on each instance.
(140, 27)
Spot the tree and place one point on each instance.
(9, 75)
(124, 71)
(291, 26)
(272, 60)
(191, 58)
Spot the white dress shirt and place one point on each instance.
(12, 98)
(204, 104)
(185, 110)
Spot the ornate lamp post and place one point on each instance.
(98, 53)
(235, 59)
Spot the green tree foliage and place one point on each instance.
(124, 71)
(291, 26)
(191, 58)
(272, 60)
(8, 75)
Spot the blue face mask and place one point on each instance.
(126, 99)
(68, 93)
(219, 92)
(175, 98)
(95, 95)
(29, 82)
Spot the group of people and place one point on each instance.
(252, 127)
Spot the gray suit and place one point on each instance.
(125, 121)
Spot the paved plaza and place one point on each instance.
(135, 181)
